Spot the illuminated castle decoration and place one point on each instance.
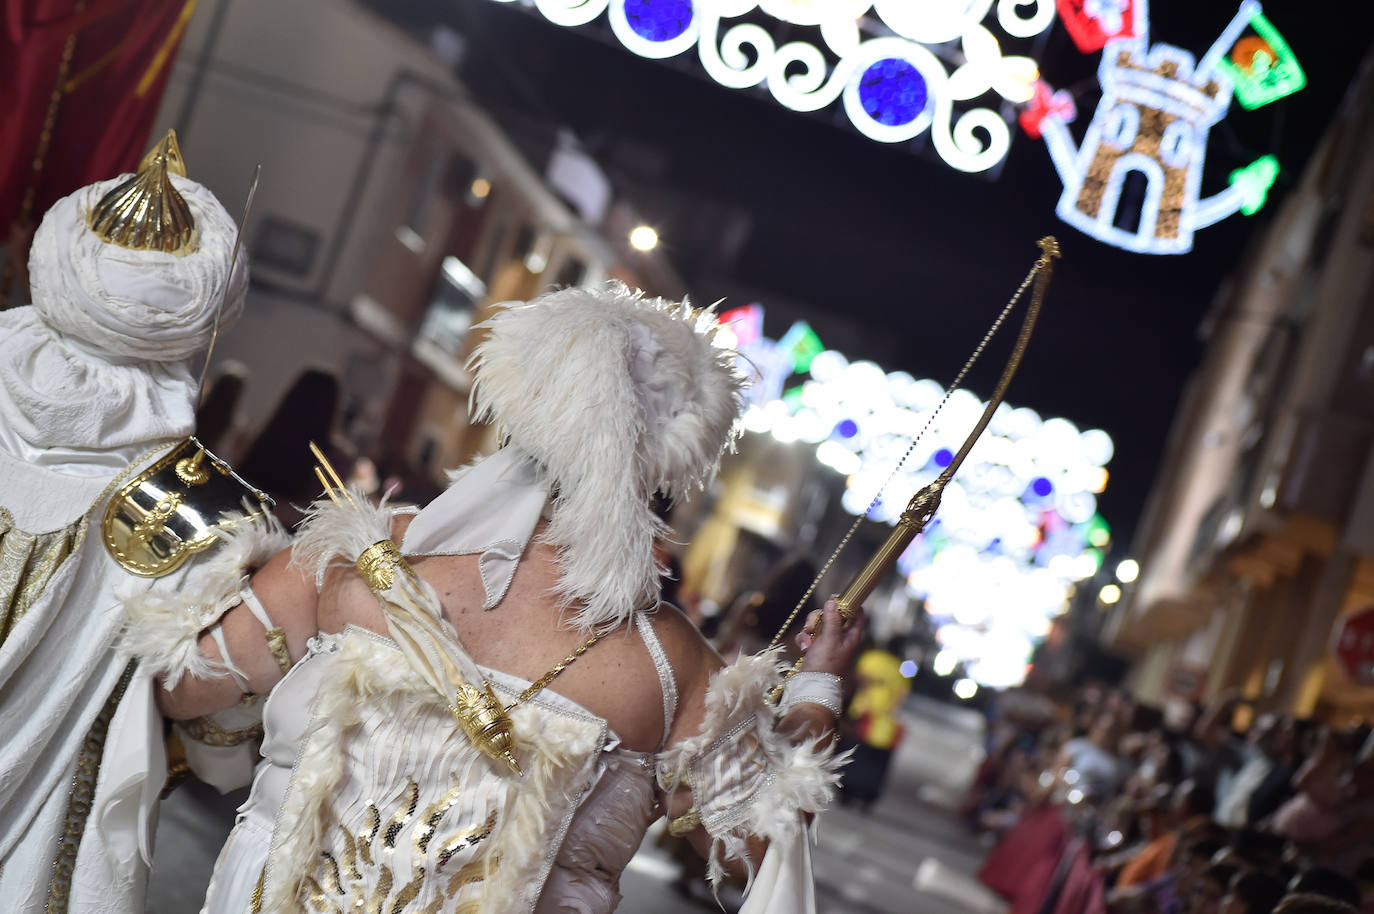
(1153, 120)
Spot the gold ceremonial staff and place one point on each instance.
(924, 503)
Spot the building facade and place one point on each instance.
(1258, 543)
(393, 212)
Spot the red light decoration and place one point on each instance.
(1093, 23)
(1046, 103)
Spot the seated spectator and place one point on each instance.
(1313, 813)
(1347, 844)
(1313, 904)
(1160, 762)
(1252, 892)
(1327, 883)
(1091, 762)
(1288, 752)
(1189, 803)
(1218, 754)
(1269, 740)
(1172, 892)
(1211, 887)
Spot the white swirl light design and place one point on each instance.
(892, 88)
(1018, 26)
(569, 12)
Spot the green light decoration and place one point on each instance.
(802, 344)
(1262, 67)
(1254, 181)
(1099, 534)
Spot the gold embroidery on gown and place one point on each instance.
(27, 562)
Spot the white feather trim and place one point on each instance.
(334, 534)
(617, 396)
(765, 781)
(164, 621)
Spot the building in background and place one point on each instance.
(1257, 549)
(392, 212)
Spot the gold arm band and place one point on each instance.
(684, 824)
(203, 731)
(276, 643)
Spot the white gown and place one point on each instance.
(583, 870)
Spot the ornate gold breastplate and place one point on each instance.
(175, 509)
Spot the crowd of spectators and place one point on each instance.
(1099, 805)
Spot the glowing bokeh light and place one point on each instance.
(643, 238)
(1127, 571)
(1016, 528)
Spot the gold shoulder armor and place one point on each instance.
(175, 509)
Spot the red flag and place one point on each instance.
(107, 96)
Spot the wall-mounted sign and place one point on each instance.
(1355, 646)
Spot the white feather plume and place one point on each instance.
(617, 396)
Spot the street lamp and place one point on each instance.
(1128, 571)
(643, 238)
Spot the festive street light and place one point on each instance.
(643, 238)
(1128, 571)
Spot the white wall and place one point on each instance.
(299, 87)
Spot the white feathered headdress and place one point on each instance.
(617, 396)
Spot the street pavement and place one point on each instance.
(907, 855)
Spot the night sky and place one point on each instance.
(891, 254)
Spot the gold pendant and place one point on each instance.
(477, 711)
(481, 716)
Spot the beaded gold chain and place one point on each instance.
(542, 682)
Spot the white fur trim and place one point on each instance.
(617, 396)
(796, 777)
(164, 621)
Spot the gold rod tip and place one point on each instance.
(1049, 247)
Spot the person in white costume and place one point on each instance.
(95, 386)
(421, 756)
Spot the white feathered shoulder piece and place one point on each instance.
(618, 396)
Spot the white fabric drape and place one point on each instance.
(93, 376)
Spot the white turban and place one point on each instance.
(140, 305)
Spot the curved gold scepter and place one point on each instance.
(924, 503)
